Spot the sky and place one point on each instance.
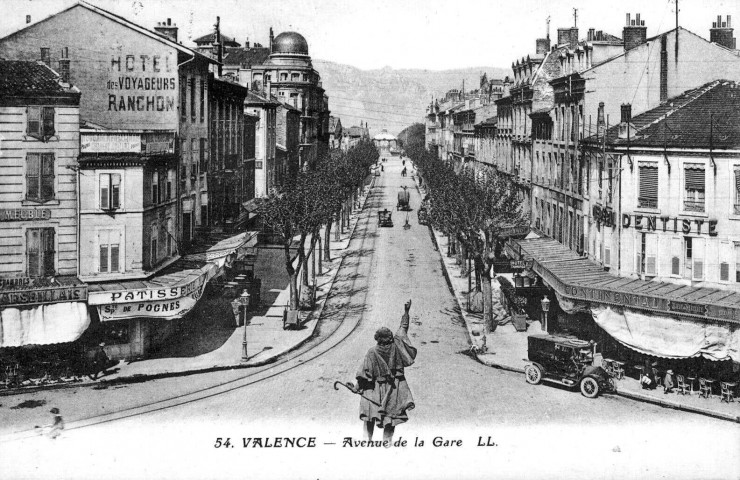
(425, 34)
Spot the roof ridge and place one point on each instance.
(695, 94)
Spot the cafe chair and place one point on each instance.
(683, 387)
(705, 389)
(728, 395)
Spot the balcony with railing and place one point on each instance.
(647, 202)
(693, 205)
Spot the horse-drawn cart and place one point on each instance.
(384, 218)
(403, 200)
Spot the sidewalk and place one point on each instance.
(222, 341)
(507, 349)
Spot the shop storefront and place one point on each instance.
(653, 319)
(137, 315)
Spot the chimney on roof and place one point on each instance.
(246, 44)
(721, 33)
(218, 48)
(272, 37)
(167, 29)
(543, 44)
(28, 19)
(634, 32)
(626, 110)
(568, 36)
(64, 65)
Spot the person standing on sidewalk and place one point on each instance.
(386, 397)
(100, 362)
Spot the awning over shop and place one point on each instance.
(168, 296)
(667, 337)
(576, 278)
(218, 247)
(43, 324)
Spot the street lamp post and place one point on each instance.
(239, 305)
(545, 308)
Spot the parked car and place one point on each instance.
(567, 361)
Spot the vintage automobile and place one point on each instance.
(567, 361)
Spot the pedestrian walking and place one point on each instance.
(54, 429)
(100, 362)
(386, 397)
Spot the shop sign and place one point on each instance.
(163, 309)
(521, 264)
(43, 295)
(604, 216)
(148, 294)
(685, 226)
(690, 308)
(110, 143)
(22, 214)
(159, 142)
(625, 299)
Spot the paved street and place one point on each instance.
(456, 398)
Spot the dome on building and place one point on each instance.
(384, 135)
(291, 43)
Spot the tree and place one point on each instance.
(471, 208)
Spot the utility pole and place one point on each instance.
(575, 17)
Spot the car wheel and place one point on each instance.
(589, 387)
(533, 374)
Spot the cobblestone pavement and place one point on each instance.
(538, 431)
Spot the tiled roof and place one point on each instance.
(249, 57)
(209, 39)
(355, 131)
(684, 121)
(24, 79)
(255, 99)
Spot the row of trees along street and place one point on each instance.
(471, 206)
(318, 197)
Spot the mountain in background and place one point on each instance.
(391, 99)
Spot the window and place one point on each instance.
(40, 252)
(46, 55)
(155, 187)
(648, 194)
(183, 98)
(651, 254)
(40, 177)
(736, 246)
(675, 256)
(193, 156)
(40, 122)
(203, 148)
(170, 243)
(154, 240)
(202, 101)
(698, 256)
(109, 242)
(170, 181)
(694, 188)
(736, 209)
(192, 99)
(110, 191)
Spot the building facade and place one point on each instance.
(42, 300)
(265, 174)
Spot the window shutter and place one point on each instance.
(105, 191)
(49, 250)
(32, 252)
(47, 176)
(115, 242)
(115, 190)
(33, 170)
(649, 186)
(48, 118)
(724, 271)
(695, 177)
(607, 256)
(675, 266)
(33, 127)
